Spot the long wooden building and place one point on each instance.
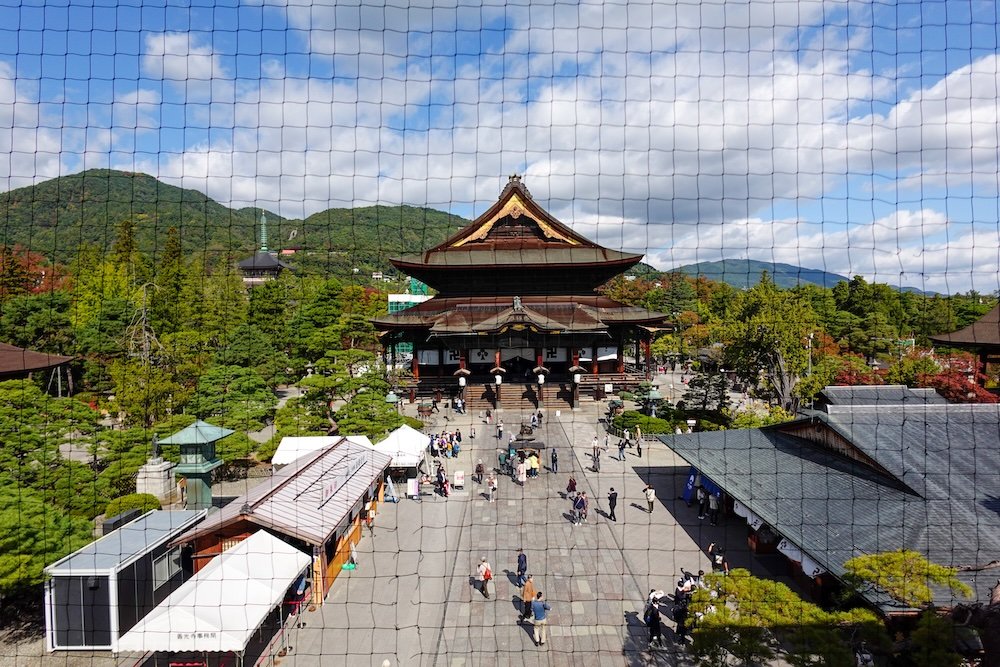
(517, 319)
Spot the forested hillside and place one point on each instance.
(58, 217)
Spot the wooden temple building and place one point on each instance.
(517, 320)
(982, 338)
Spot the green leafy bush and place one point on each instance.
(133, 501)
(649, 425)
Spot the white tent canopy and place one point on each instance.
(292, 447)
(406, 446)
(221, 607)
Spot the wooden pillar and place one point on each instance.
(576, 385)
(462, 354)
(648, 352)
(416, 363)
(538, 364)
(593, 360)
(496, 387)
(620, 353)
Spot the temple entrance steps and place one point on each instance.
(517, 397)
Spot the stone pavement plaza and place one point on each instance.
(410, 600)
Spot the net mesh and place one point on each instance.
(720, 277)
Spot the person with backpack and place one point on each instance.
(483, 575)
(579, 507)
(718, 557)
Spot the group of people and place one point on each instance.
(534, 607)
(683, 592)
(446, 444)
(708, 504)
(521, 465)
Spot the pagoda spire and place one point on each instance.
(263, 231)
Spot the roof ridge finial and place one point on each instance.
(514, 182)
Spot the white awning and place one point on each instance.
(790, 550)
(811, 568)
(406, 446)
(221, 607)
(292, 447)
(742, 510)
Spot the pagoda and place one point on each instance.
(517, 307)
(263, 265)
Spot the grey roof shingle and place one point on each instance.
(835, 508)
(879, 395)
(291, 501)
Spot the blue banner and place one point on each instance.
(694, 478)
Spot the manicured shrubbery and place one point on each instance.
(649, 425)
(133, 501)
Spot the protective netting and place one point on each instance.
(690, 305)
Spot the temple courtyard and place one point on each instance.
(410, 600)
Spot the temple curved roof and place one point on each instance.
(539, 314)
(516, 235)
(984, 332)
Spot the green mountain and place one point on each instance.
(745, 273)
(56, 217)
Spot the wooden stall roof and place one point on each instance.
(307, 499)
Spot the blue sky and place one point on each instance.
(856, 137)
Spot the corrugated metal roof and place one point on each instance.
(294, 500)
(835, 508)
(122, 546)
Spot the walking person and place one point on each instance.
(638, 445)
(702, 495)
(650, 494)
(500, 429)
(483, 575)
(571, 488)
(522, 473)
(713, 508)
(621, 450)
(522, 567)
(578, 507)
(652, 619)
(586, 506)
(680, 611)
(540, 610)
(555, 461)
(491, 486)
(717, 556)
(527, 597)
(480, 471)
(612, 503)
(595, 450)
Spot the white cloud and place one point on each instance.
(669, 127)
(31, 145)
